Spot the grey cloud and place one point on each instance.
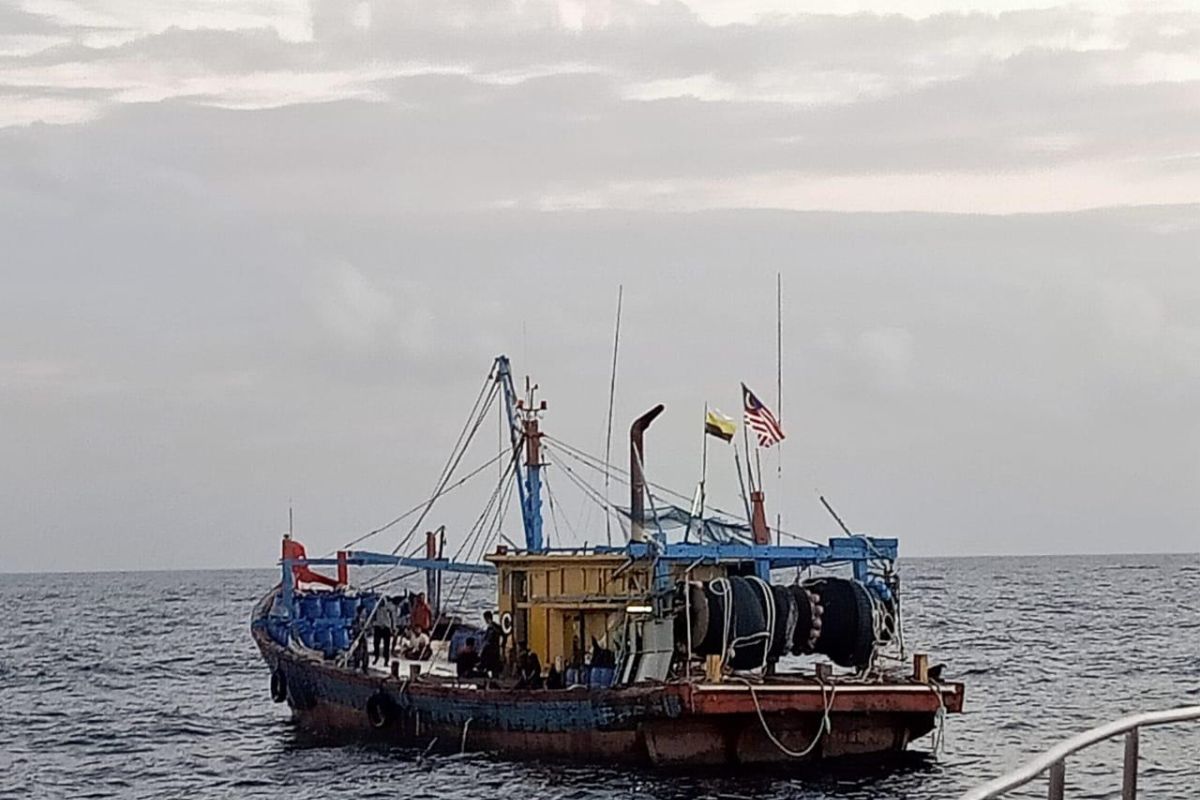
(1032, 374)
(209, 311)
(17, 21)
(526, 109)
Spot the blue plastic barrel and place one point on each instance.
(278, 630)
(349, 606)
(322, 637)
(306, 630)
(601, 677)
(310, 606)
(331, 605)
(341, 638)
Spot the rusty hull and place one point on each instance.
(671, 724)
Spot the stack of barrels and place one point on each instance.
(325, 619)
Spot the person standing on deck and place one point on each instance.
(491, 659)
(422, 614)
(383, 623)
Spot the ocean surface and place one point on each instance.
(147, 685)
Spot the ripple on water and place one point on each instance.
(180, 707)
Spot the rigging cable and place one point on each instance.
(595, 463)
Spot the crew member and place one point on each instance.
(415, 646)
(491, 659)
(529, 670)
(467, 659)
(422, 614)
(383, 623)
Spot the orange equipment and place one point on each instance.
(300, 572)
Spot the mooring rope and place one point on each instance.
(825, 727)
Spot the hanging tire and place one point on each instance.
(749, 620)
(802, 632)
(785, 622)
(694, 626)
(279, 687)
(712, 642)
(380, 711)
(847, 631)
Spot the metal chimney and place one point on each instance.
(637, 481)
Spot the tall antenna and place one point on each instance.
(779, 401)
(290, 531)
(612, 390)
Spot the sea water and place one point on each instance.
(146, 685)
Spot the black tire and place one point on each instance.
(847, 630)
(695, 624)
(279, 687)
(802, 632)
(749, 619)
(785, 622)
(380, 711)
(710, 643)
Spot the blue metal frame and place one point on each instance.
(364, 558)
(857, 548)
(858, 551)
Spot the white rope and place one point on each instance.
(466, 725)
(825, 727)
(769, 605)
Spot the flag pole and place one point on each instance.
(746, 441)
(698, 502)
(742, 485)
(703, 460)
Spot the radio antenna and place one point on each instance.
(612, 390)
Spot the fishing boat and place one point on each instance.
(692, 641)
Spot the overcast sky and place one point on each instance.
(261, 251)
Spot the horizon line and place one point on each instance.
(901, 558)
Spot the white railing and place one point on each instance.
(1055, 759)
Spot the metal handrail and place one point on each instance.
(1055, 759)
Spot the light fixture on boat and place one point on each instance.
(639, 609)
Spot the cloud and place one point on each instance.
(264, 252)
(650, 105)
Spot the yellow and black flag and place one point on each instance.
(718, 425)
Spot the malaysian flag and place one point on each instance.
(760, 420)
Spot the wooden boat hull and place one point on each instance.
(672, 724)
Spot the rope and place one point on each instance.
(825, 727)
(589, 492)
(939, 725)
(769, 596)
(420, 505)
(599, 465)
(447, 472)
(554, 514)
(466, 725)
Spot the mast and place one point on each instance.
(524, 429)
